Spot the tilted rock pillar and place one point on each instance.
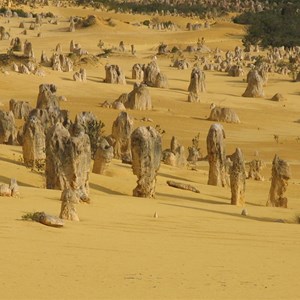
(280, 175)
(146, 152)
(237, 178)
(216, 155)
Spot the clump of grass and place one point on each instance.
(28, 216)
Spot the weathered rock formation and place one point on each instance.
(80, 75)
(139, 98)
(46, 97)
(146, 156)
(60, 62)
(216, 155)
(237, 178)
(16, 44)
(28, 51)
(197, 85)
(51, 116)
(223, 114)
(114, 74)
(69, 198)
(280, 175)
(194, 150)
(121, 131)
(175, 156)
(9, 190)
(92, 128)
(138, 72)
(34, 142)
(255, 168)
(235, 71)
(277, 97)
(181, 64)
(8, 132)
(255, 85)
(68, 159)
(20, 109)
(4, 35)
(103, 156)
(153, 77)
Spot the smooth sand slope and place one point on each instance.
(200, 247)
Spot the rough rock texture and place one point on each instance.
(121, 131)
(216, 155)
(69, 198)
(237, 178)
(59, 165)
(153, 77)
(255, 168)
(255, 85)
(277, 97)
(280, 175)
(151, 71)
(146, 156)
(182, 186)
(139, 98)
(61, 63)
(81, 155)
(175, 156)
(197, 85)
(16, 44)
(194, 150)
(34, 142)
(47, 220)
(8, 132)
(80, 75)
(28, 52)
(138, 72)
(161, 81)
(92, 128)
(235, 71)
(51, 116)
(9, 190)
(20, 109)
(114, 74)
(223, 114)
(46, 97)
(68, 159)
(181, 64)
(103, 156)
(4, 35)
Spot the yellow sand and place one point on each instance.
(199, 247)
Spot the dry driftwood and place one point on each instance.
(183, 186)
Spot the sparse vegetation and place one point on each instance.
(277, 27)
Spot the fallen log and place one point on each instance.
(182, 186)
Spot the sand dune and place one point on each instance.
(200, 247)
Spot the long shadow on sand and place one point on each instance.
(20, 183)
(67, 79)
(105, 190)
(174, 177)
(96, 80)
(265, 219)
(191, 199)
(12, 161)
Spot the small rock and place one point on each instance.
(62, 98)
(244, 212)
(155, 215)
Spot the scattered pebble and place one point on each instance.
(244, 212)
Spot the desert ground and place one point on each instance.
(200, 246)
